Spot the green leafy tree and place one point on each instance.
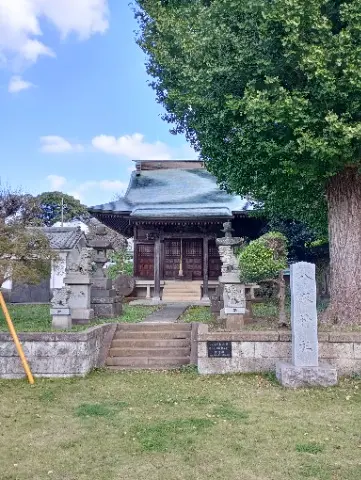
(121, 264)
(269, 92)
(265, 259)
(50, 204)
(25, 254)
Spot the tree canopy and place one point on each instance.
(269, 93)
(25, 254)
(50, 204)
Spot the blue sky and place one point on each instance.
(75, 105)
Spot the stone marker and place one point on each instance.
(60, 311)
(305, 369)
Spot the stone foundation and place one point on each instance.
(57, 354)
(295, 377)
(254, 351)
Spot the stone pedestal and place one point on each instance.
(61, 318)
(60, 311)
(234, 322)
(324, 375)
(79, 300)
(107, 305)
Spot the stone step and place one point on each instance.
(154, 327)
(178, 293)
(149, 352)
(150, 343)
(149, 334)
(189, 300)
(145, 362)
(181, 289)
(120, 368)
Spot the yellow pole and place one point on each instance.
(19, 348)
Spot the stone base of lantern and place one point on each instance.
(324, 375)
(61, 318)
(107, 307)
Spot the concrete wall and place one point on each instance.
(260, 351)
(57, 354)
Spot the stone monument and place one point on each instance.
(104, 299)
(234, 296)
(305, 369)
(78, 279)
(59, 310)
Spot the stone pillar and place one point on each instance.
(205, 296)
(78, 280)
(104, 299)
(305, 369)
(234, 294)
(157, 246)
(59, 310)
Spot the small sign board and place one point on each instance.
(219, 349)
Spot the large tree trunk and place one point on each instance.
(344, 218)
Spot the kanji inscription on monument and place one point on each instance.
(219, 349)
(304, 315)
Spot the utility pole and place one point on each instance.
(62, 211)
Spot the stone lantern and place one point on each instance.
(234, 295)
(104, 299)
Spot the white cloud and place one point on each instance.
(20, 37)
(17, 84)
(56, 144)
(132, 147)
(89, 192)
(56, 181)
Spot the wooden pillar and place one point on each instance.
(135, 252)
(205, 269)
(156, 295)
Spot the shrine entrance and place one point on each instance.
(183, 259)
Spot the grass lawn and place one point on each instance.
(178, 425)
(265, 317)
(36, 318)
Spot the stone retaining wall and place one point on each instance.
(254, 351)
(57, 354)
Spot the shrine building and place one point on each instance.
(175, 210)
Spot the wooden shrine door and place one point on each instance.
(172, 255)
(193, 258)
(214, 261)
(144, 261)
(191, 253)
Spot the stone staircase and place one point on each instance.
(150, 346)
(181, 291)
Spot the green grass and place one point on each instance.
(36, 318)
(309, 448)
(154, 425)
(197, 314)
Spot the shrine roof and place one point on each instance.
(174, 193)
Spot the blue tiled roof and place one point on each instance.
(174, 193)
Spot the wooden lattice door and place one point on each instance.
(145, 261)
(193, 258)
(172, 255)
(214, 261)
